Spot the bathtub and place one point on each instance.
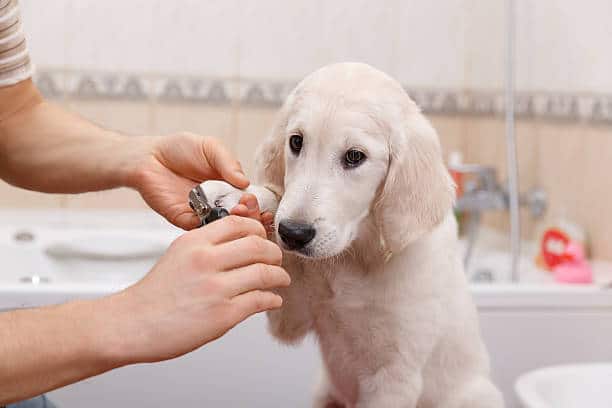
(52, 257)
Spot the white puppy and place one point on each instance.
(370, 241)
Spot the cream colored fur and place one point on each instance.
(381, 285)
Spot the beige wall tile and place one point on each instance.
(253, 126)
(528, 151)
(574, 165)
(451, 131)
(13, 197)
(216, 121)
(131, 117)
(110, 199)
(484, 143)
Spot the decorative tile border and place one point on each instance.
(595, 108)
(264, 93)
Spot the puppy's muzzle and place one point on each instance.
(295, 235)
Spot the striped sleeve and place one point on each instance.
(15, 62)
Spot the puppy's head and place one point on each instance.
(349, 145)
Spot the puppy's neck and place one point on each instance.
(370, 249)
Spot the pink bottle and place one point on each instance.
(576, 269)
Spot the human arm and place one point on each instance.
(45, 148)
(209, 280)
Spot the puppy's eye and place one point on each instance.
(295, 143)
(353, 158)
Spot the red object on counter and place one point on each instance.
(554, 248)
(457, 177)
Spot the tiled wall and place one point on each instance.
(560, 45)
(570, 161)
(221, 67)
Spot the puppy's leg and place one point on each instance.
(293, 320)
(394, 386)
(289, 324)
(477, 393)
(396, 376)
(325, 395)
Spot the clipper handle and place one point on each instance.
(215, 214)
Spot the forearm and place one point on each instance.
(46, 348)
(45, 148)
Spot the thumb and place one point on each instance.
(224, 164)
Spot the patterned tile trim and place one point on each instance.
(595, 108)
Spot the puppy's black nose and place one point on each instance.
(294, 234)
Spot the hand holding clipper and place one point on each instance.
(199, 204)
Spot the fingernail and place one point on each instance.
(251, 204)
(239, 209)
(244, 178)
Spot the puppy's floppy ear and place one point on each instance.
(270, 156)
(418, 191)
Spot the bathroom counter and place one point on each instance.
(55, 256)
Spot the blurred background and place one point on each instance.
(223, 67)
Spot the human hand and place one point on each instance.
(166, 168)
(209, 280)
(249, 207)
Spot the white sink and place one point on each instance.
(106, 247)
(567, 386)
(81, 255)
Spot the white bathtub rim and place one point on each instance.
(488, 297)
(541, 296)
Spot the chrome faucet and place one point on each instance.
(483, 192)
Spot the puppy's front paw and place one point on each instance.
(222, 194)
(285, 328)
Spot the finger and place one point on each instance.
(187, 220)
(267, 218)
(250, 202)
(240, 210)
(256, 301)
(247, 207)
(230, 228)
(253, 277)
(248, 250)
(224, 163)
